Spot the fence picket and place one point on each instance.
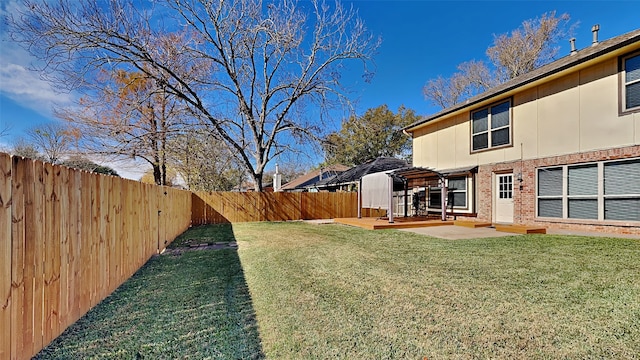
(5, 256)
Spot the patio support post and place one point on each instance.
(443, 198)
(390, 211)
(406, 194)
(360, 198)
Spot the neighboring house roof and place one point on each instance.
(314, 176)
(567, 62)
(369, 167)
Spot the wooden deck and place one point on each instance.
(371, 223)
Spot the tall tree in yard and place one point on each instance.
(376, 133)
(532, 45)
(249, 70)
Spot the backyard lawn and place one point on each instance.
(301, 291)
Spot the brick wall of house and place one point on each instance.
(524, 192)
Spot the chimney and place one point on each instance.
(572, 41)
(277, 180)
(594, 30)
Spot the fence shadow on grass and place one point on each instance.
(192, 301)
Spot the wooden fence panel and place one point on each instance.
(223, 207)
(5, 257)
(68, 238)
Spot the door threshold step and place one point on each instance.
(520, 229)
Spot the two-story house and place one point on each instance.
(557, 147)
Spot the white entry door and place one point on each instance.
(504, 198)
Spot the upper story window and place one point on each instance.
(631, 75)
(491, 126)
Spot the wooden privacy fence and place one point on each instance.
(68, 239)
(225, 207)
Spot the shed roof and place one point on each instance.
(313, 175)
(369, 167)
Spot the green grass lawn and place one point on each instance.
(332, 291)
(193, 304)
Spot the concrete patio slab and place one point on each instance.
(453, 232)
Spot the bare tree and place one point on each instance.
(130, 117)
(52, 140)
(472, 77)
(511, 55)
(248, 70)
(26, 149)
(4, 130)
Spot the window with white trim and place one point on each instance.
(606, 190)
(631, 78)
(491, 126)
(457, 188)
(622, 190)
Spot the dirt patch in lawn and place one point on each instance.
(200, 244)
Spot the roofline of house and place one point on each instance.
(584, 56)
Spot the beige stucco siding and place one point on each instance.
(636, 122)
(558, 117)
(575, 113)
(600, 125)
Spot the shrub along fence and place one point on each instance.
(69, 238)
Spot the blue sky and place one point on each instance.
(420, 40)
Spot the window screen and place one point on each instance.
(550, 182)
(622, 190)
(491, 126)
(632, 82)
(550, 208)
(583, 180)
(458, 191)
(622, 177)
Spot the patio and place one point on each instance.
(379, 223)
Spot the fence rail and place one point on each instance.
(69, 238)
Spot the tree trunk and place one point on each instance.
(157, 175)
(257, 182)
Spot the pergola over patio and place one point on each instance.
(414, 175)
